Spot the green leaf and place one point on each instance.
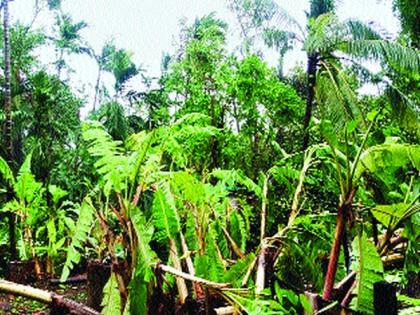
(143, 275)
(57, 193)
(209, 265)
(111, 163)
(6, 172)
(111, 301)
(165, 215)
(328, 131)
(237, 271)
(369, 268)
(80, 235)
(386, 158)
(238, 230)
(390, 215)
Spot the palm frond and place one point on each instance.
(383, 51)
(405, 109)
(283, 19)
(359, 30)
(324, 33)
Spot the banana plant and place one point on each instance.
(57, 229)
(190, 219)
(350, 168)
(31, 208)
(28, 205)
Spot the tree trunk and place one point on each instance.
(8, 140)
(60, 63)
(98, 81)
(310, 96)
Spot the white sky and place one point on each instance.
(148, 27)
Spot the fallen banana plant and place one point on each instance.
(189, 277)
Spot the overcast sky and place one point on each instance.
(148, 27)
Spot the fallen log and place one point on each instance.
(71, 280)
(55, 300)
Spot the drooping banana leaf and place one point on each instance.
(369, 268)
(392, 215)
(111, 301)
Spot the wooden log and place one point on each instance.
(55, 300)
(384, 299)
(71, 280)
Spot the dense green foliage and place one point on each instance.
(195, 187)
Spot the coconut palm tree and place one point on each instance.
(101, 60)
(329, 44)
(116, 61)
(69, 39)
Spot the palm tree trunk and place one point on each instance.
(310, 96)
(98, 81)
(60, 63)
(8, 116)
(7, 86)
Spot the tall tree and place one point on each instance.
(259, 25)
(102, 60)
(7, 84)
(8, 113)
(117, 61)
(329, 43)
(409, 11)
(69, 39)
(318, 7)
